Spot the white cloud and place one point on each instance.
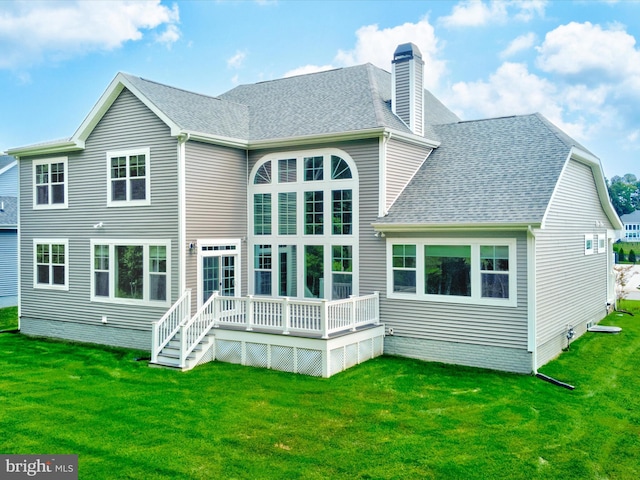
(513, 90)
(308, 69)
(476, 13)
(33, 31)
(473, 13)
(518, 44)
(237, 60)
(377, 47)
(584, 48)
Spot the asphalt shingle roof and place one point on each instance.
(8, 215)
(331, 102)
(495, 171)
(633, 217)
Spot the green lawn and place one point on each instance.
(387, 418)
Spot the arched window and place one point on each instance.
(303, 231)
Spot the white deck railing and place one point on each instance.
(165, 329)
(285, 315)
(272, 315)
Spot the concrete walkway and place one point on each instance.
(631, 289)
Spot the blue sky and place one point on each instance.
(576, 62)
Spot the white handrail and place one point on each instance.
(197, 327)
(164, 329)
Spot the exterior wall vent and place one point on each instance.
(407, 85)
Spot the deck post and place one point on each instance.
(183, 345)
(376, 308)
(286, 315)
(249, 313)
(324, 318)
(155, 341)
(353, 312)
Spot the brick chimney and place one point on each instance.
(407, 89)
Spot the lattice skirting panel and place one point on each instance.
(315, 357)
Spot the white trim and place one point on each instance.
(532, 320)
(182, 215)
(601, 243)
(51, 241)
(145, 243)
(474, 243)
(146, 151)
(6, 168)
(382, 174)
(237, 252)
(50, 161)
(589, 246)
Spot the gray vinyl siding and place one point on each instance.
(9, 182)
(8, 263)
(462, 323)
(571, 287)
(126, 125)
(403, 161)
(403, 91)
(216, 192)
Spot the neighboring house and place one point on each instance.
(631, 227)
(8, 231)
(317, 207)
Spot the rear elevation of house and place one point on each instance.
(310, 223)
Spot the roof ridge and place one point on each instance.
(191, 92)
(375, 93)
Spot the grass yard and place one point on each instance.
(8, 318)
(388, 418)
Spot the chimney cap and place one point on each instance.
(406, 52)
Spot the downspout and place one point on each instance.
(532, 344)
(182, 212)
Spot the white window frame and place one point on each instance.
(300, 240)
(49, 205)
(51, 241)
(234, 248)
(128, 202)
(602, 243)
(476, 277)
(145, 243)
(589, 245)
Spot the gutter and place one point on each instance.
(438, 227)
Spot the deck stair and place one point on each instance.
(169, 356)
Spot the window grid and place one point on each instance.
(287, 220)
(339, 168)
(287, 170)
(128, 178)
(342, 212)
(49, 184)
(262, 213)
(263, 175)
(314, 213)
(313, 168)
(51, 264)
(404, 268)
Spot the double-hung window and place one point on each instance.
(50, 184)
(51, 264)
(481, 271)
(126, 271)
(128, 178)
